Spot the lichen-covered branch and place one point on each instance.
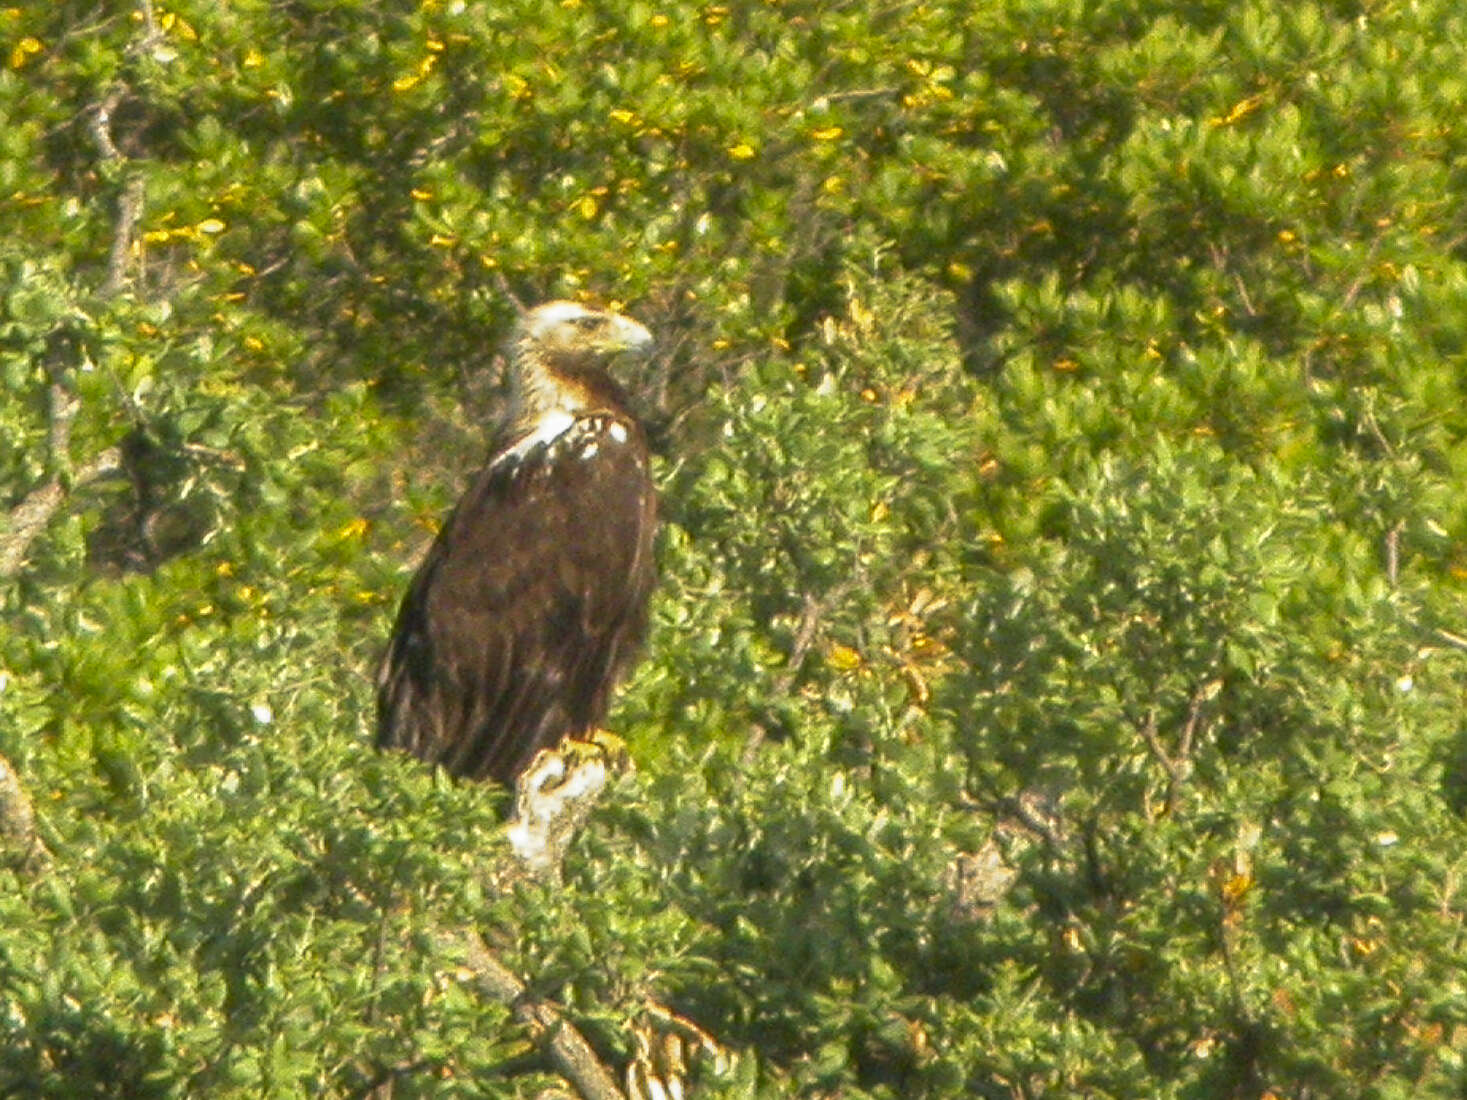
(18, 839)
(565, 1047)
(29, 518)
(129, 201)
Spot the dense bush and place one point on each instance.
(1056, 682)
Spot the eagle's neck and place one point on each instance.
(540, 404)
(547, 397)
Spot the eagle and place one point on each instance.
(532, 601)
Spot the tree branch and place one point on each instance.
(568, 1051)
(29, 518)
(129, 201)
(1174, 777)
(1393, 554)
(18, 821)
(1178, 768)
(1452, 639)
(811, 612)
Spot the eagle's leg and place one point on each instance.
(556, 793)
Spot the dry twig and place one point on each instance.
(1179, 767)
(811, 612)
(1393, 554)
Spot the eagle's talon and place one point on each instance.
(553, 798)
(602, 745)
(545, 773)
(665, 1045)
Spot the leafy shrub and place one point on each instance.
(1055, 682)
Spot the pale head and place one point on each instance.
(570, 331)
(557, 351)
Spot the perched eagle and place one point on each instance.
(533, 599)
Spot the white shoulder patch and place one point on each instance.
(550, 427)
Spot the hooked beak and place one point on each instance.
(628, 336)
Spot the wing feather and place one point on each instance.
(529, 605)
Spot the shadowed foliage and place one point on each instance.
(1055, 682)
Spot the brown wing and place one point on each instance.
(530, 604)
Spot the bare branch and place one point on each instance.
(1451, 639)
(811, 612)
(1179, 767)
(1147, 730)
(129, 213)
(129, 201)
(29, 518)
(1393, 554)
(850, 95)
(1175, 773)
(1189, 731)
(99, 123)
(1244, 296)
(18, 837)
(568, 1051)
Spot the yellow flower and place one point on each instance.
(1239, 111)
(23, 51)
(181, 28)
(741, 151)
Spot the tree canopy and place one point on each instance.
(1057, 675)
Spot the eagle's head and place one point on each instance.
(567, 334)
(559, 353)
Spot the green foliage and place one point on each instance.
(1062, 440)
